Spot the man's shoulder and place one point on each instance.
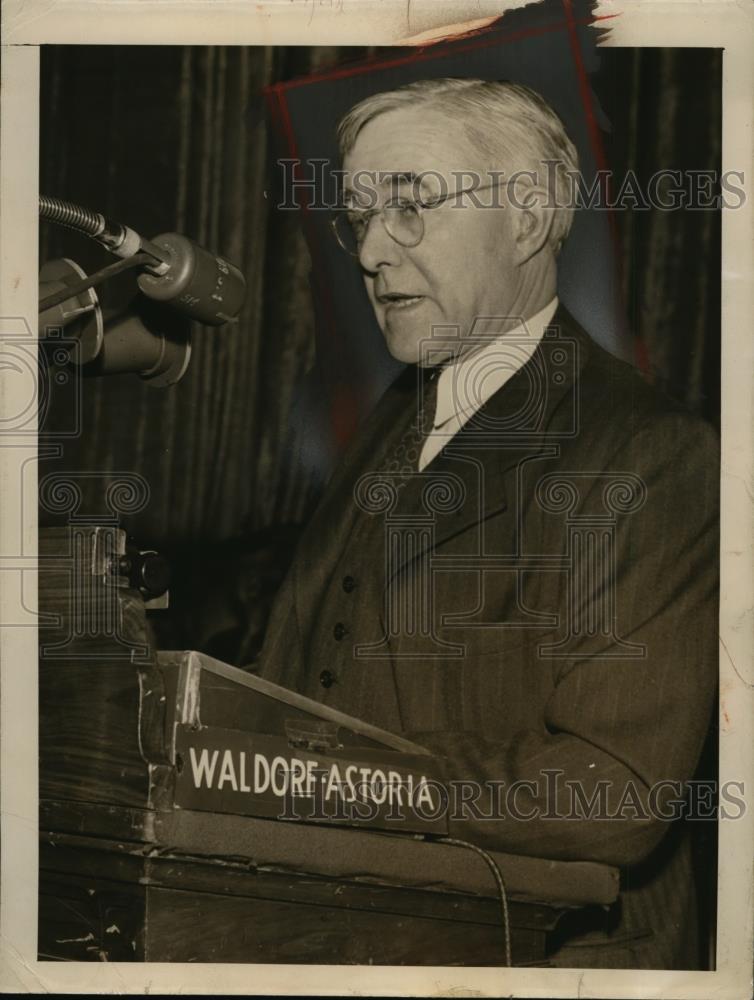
(609, 385)
(616, 403)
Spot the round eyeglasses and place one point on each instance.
(403, 219)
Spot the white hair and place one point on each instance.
(507, 122)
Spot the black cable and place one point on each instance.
(494, 868)
(137, 260)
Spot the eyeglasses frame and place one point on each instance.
(369, 213)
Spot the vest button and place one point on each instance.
(349, 584)
(327, 678)
(339, 631)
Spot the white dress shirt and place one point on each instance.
(464, 387)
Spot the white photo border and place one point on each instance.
(29, 23)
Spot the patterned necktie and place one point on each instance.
(403, 461)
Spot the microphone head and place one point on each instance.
(202, 285)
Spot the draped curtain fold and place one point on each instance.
(666, 109)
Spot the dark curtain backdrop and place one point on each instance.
(665, 106)
(177, 139)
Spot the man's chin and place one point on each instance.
(418, 350)
(406, 353)
(412, 343)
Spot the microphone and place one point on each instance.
(200, 284)
(175, 270)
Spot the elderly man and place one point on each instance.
(516, 562)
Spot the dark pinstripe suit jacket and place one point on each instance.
(545, 613)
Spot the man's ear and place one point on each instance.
(534, 219)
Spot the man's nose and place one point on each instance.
(378, 248)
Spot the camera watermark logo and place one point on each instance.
(486, 460)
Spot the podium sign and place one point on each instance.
(229, 771)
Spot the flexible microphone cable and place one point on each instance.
(500, 881)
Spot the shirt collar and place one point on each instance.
(464, 387)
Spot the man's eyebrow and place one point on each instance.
(380, 179)
(398, 176)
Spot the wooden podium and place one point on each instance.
(190, 811)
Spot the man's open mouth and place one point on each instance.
(399, 300)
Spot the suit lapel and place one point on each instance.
(530, 415)
(328, 531)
